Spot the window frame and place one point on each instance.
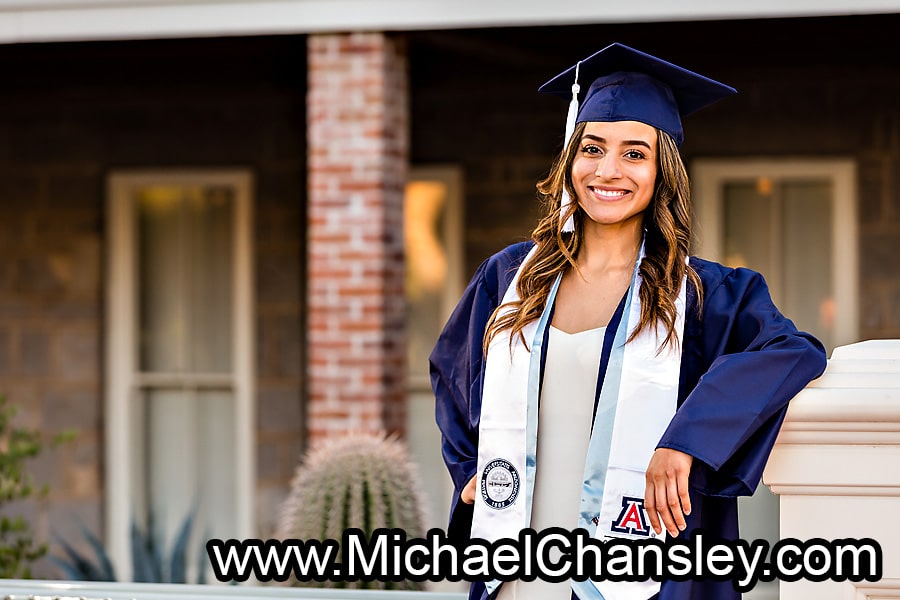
(452, 229)
(122, 377)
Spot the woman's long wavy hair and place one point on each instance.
(667, 238)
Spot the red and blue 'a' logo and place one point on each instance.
(632, 520)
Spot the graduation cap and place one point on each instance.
(630, 85)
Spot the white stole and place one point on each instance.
(644, 380)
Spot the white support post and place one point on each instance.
(836, 465)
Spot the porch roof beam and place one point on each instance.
(83, 20)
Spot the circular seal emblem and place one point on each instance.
(499, 483)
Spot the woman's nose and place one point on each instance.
(608, 167)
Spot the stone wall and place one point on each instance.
(50, 323)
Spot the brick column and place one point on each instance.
(358, 115)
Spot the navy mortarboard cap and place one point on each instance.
(630, 85)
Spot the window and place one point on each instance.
(179, 356)
(433, 233)
(795, 222)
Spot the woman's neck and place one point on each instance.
(607, 247)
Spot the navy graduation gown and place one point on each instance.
(742, 361)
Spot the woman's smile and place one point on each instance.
(608, 193)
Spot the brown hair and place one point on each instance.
(667, 238)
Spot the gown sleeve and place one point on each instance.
(757, 361)
(457, 365)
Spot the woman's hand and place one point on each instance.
(468, 493)
(667, 490)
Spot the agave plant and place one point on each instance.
(149, 565)
(360, 480)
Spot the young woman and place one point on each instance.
(597, 377)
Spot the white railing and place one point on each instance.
(836, 465)
(14, 589)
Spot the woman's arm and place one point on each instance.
(728, 422)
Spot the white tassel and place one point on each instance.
(565, 200)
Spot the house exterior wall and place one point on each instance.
(68, 116)
(50, 334)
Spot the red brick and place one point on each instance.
(357, 102)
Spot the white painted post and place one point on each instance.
(836, 465)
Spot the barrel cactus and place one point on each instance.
(359, 480)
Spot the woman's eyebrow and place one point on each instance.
(601, 140)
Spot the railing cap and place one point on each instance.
(856, 400)
(870, 350)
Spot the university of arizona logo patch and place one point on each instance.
(632, 520)
(499, 484)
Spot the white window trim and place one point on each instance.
(121, 359)
(707, 175)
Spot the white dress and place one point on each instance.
(564, 431)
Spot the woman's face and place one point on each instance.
(614, 171)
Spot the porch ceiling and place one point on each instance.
(82, 20)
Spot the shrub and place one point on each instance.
(18, 548)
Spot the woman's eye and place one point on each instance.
(635, 154)
(590, 149)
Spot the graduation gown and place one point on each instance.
(742, 361)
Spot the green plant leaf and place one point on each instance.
(106, 566)
(79, 566)
(202, 558)
(142, 559)
(17, 446)
(178, 560)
